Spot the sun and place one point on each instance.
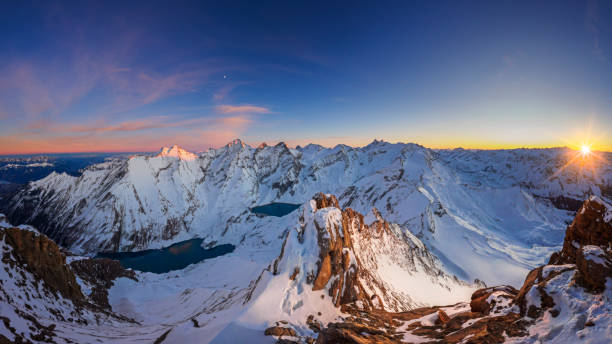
(586, 150)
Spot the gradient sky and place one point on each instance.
(135, 76)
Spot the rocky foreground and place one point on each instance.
(569, 300)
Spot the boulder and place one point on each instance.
(280, 331)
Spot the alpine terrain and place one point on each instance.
(388, 243)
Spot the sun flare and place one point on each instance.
(585, 149)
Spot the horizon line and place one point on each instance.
(495, 148)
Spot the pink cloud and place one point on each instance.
(227, 109)
(235, 121)
(128, 136)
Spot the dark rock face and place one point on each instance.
(595, 266)
(43, 258)
(566, 203)
(588, 228)
(100, 273)
(533, 276)
(588, 244)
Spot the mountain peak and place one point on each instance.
(236, 142)
(176, 152)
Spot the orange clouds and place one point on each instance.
(227, 109)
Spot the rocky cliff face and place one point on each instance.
(567, 301)
(591, 226)
(40, 297)
(41, 257)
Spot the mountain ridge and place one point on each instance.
(501, 203)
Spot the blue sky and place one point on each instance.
(135, 76)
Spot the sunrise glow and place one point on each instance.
(125, 85)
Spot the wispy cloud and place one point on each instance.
(127, 126)
(136, 135)
(227, 109)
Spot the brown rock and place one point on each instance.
(480, 305)
(352, 333)
(443, 317)
(280, 331)
(43, 258)
(100, 273)
(588, 228)
(490, 330)
(323, 201)
(594, 267)
(296, 271)
(479, 302)
(346, 261)
(336, 256)
(457, 321)
(531, 279)
(324, 274)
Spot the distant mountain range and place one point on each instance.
(21, 169)
(486, 215)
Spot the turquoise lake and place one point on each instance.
(174, 257)
(275, 209)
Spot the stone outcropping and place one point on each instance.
(588, 228)
(335, 257)
(42, 258)
(100, 274)
(588, 245)
(341, 263)
(496, 313)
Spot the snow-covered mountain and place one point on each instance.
(320, 273)
(298, 269)
(488, 215)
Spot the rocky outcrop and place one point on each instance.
(591, 226)
(324, 201)
(497, 313)
(588, 245)
(280, 331)
(41, 257)
(484, 300)
(100, 274)
(41, 295)
(595, 267)
(341, 270)
(383, 327)
(335, 257)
